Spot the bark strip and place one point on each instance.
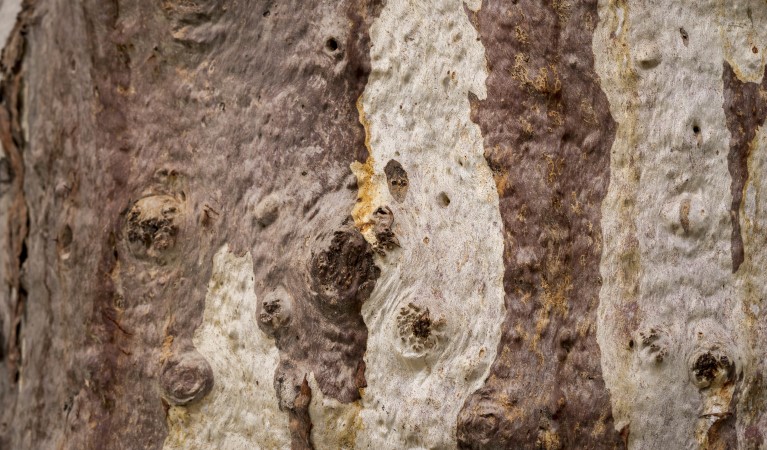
(745, 106)
(548, 134)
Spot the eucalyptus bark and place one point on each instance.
(382, 224)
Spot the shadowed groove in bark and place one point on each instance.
(13, 143)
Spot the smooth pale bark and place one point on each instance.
(382, 224)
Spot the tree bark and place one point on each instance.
(382, 224)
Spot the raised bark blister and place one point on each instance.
(318, 327)
(152, 227)
(186, 378)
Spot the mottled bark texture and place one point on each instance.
(745, 107)
(548, 134)
(170, 168)
(142, 136)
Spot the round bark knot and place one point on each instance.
(711, 368)
(153, 226)
(419, 334)
(648, 55)
(267, 210)
(275, 311)
(186, 378)
(386, 240)
(396, 178)
(344, 275)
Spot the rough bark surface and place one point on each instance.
(548, 132)
(383, 224)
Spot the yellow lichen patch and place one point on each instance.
(519, 71)
(520, 34)
(501, 177)
(549, 440)
(522, 214)
(167, 345)
(527, 127)
(546, 80)
(367, 184)
(556, 117)
(575, 205)
(588, 113)
(540, 83)
(600, 427)
(178, 422)
(562, 8)
(555, 166)
(335, 425)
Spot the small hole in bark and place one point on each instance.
(755, 50)
(397, 179)
(695, 129)
(631, 343)
(443, 200)
(267, 13)
(422, 325)
(65, 237)
(331, 44)
(23, 254)
(685, 36)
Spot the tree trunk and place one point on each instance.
(383, 224)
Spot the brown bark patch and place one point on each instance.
(548, 134)
(156, 129)
(745, 109)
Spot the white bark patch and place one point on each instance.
(9, 11)
(743, 25)
(666, 264)
(426, 58)
(241, 412)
